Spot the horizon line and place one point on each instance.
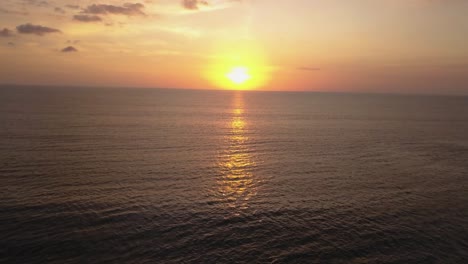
(87, 86)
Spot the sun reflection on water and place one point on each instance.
(237, 184)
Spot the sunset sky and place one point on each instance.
(414, 46)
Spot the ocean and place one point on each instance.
(113, 175)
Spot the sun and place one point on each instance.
(238, 70)
(239, 75)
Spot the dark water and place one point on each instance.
(156, 176)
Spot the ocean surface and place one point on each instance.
(179, 176)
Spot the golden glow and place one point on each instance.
(197, 48)
(239, 75)
(237, 184)
(231, 76)
(238, 67)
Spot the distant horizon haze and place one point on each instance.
(403, 92)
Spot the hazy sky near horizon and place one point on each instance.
(414, 46)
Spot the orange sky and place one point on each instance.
(414, 46)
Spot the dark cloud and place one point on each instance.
(73, 6)
(11, 44)
(59, 10)
(36, 29)
(87, 18)
(193, 4)
(6, 33)
(305, 68)
(69, 49)
(127, 9)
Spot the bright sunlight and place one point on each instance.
(239, 66)
(239, 75)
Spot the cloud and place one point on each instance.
(37, 3)
(5, 33)
(69, 49)
(127, 9)
(193, 4)
(307, 68)
(36, 29)
(11, 44)
(59, 10)
(13, 12)
(72, 6)
(87, 18)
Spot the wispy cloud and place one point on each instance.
(87, 18)
(207, 5)
(13, 12)
(72, 6)
(127, 9)
(36, 29)
(308, 68)
(40, 3)
(73, 41)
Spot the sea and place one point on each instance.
(127, 175)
